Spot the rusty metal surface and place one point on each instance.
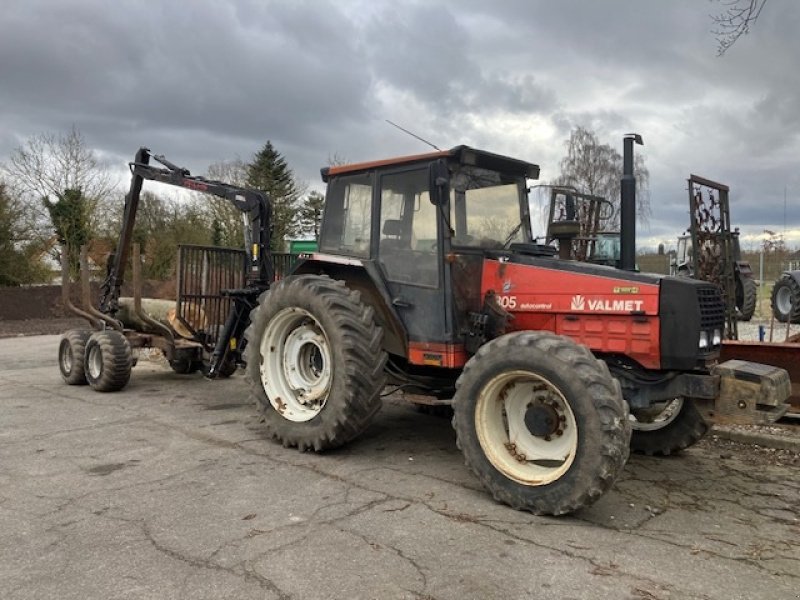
(785, 355)
(203, 273)
(712, 242)
(66, 286)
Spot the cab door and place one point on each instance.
(410, 259)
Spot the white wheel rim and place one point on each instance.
(94, 362)
(66, 358)
(296, 365)
(783, 300)
(505, 438)
(660, 419)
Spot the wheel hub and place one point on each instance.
(542, 420)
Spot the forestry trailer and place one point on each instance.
(427, 278)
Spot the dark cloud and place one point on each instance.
(205, 81)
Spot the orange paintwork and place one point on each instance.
(401, 160)
(437, 355)
(607, 314)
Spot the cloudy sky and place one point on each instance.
(204, 81)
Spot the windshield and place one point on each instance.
(485, 209)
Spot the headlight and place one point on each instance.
(716, 339)
(703, 340)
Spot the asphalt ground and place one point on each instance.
(169, 489)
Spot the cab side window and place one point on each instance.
(408, 250)
(348, 219)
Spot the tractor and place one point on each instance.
(427, 278)
(745, 286)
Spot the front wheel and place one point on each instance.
(667, 428)
(314, 362)
(541, 422)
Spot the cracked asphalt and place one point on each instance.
(169, 489)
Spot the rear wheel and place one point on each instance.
(541, 422)
(667, 428)
(71, 356)
(108, 361)
(314, 362)
(746, 296)
(786, 300)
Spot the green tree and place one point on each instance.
(596, 169)
(269, 173)
(69, 217)
(311, 214)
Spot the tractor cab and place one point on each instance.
(419, 228)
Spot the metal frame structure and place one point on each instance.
(712, 242)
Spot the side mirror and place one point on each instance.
(439, 180)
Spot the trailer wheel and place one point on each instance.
(667, 428)
(314, 362)
(541, 422)
(786, 300)
(746, 296)
(108, 361)
(185, 366)
(72, 356)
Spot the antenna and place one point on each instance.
(434, 146)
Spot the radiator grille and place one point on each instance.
(712, 308)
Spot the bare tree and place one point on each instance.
(735, 21)
(46, 166)
(596, 169)
(226, 219)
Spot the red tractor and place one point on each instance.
(428, 278)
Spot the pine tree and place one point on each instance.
(269, 173)
(311, 214)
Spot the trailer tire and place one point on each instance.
(108, 361)
(185, 366)
(746, 296)
(565, 409)
(72, 356)
(315, 363)
(669, 432)
(786, 299)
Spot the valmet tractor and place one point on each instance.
(427, 278)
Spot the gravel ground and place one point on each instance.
(748, 330)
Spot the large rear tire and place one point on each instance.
(746, 296)
(108, 361)
(541, 422)
(786, 300)
(667, 428)
(315, 363)
(72, 356)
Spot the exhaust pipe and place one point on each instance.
(627, 222)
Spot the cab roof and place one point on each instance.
(463, 155)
